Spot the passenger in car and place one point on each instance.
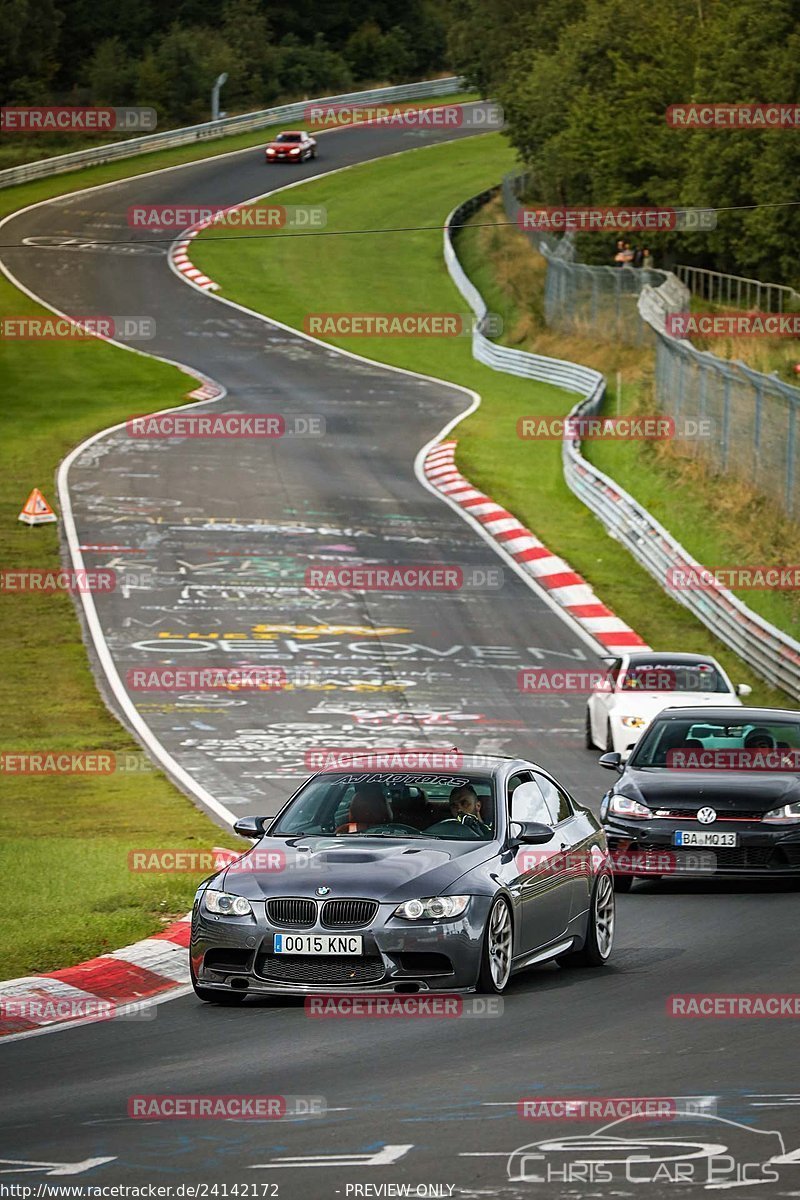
(759, 739)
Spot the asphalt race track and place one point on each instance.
(215, 539)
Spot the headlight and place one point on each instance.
(787, 814)
(270, 150)
(633, 722)
(621, 806)
(432, 907)
(227, 905)
(295, 151)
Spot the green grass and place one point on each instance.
(720, 522)
(22, 194)
(712, 535)
(66, 839)
(405, 271)
(67, 889)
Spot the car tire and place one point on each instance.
(497, 949)
(623, 883)
(589, 739)
(600, 934)
(609, 739)
(228, 999)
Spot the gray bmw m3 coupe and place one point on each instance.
(407, 879)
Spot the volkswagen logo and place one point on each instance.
(707, 816)
(325, 891)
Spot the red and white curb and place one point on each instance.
(113, 985)
(179, 255)
(565, 586)
(206, 391)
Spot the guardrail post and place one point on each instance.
(726, 418)
(757, 432)
(790, 458)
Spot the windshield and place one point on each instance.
(392, 805)
(289, 137)
(661, 675)
(744, 745)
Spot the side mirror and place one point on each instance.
(743, 689)
(611, 762)
(250, 827)
(530, 833)
(527, 802)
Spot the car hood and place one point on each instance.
(282, 145)
(753, 791)
(650, 703)
(374, 868)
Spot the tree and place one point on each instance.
(312, 70)
(253, 78)
(111, 76)
(176, 76)
(29, 32)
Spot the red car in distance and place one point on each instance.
(291, 146)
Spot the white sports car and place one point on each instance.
(639, 685)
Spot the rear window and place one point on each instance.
(666, 676)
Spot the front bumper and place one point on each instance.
(761, 851)
(398, 956)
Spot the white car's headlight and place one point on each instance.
(633, 722)
(622, 806)
(787, 814)
(432, 907)
(226, 905)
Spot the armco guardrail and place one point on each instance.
(223, 128)
(771, 653)
(568, 375)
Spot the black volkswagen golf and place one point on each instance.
(707, 792)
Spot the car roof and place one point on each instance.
(293, 132)
(490, 764)
(652, 656)
(724, 712)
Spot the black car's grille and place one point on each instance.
(291, 912)
(742, 856)
(313, 969)
(348, 914)
(690, 814)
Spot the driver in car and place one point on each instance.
(465, 807)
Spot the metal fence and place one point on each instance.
(770, 652)
(747, 422)
(580, 298)
(245, 122)
(737, 291)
